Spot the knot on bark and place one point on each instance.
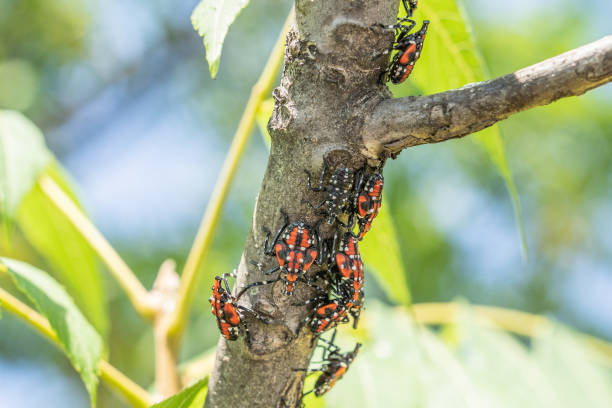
(284, 109)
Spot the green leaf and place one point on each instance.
(80, 342)
(583, 383)
(407, 364)
(211, 19)
(382, 256)
(451, 59)
(23, 155)
(478, 347)
(191, 397)
(72, 260)
(468, 364)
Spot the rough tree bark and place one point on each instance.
(331, 104)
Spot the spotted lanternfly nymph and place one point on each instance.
(409, 48)
(347, 275)
(368, 200)
(327, 315)
(410, 8)
(230, 316)
(338, 191)
(334, 365)
(296, 247)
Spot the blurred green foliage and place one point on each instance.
(37, 38)
(467, 364)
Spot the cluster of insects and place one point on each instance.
(408, 46)
(350, 202)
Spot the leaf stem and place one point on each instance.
(121, 272)
(212, 215)
(133, 393)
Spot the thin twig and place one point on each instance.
(165, 290)
(211, 218)
(121, 272)
(116, 380)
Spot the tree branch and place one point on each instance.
(330, 80)
(396, 124)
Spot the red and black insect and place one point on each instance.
(334, 365)
(368, 200)
(296, 247)
(409, 47)
(347, 275)
(230, 316)
(338, 191)
(327, 314)
(410, 7)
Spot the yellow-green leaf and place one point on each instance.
(382, 256)
(23, 155)
(451, 59)
(69, 255)
(23, 158)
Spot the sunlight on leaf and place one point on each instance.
(80, 341)
(191, 397)
(211, 19)
(451, 59)
(73, 261)
(382, 256)
(23, 155)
